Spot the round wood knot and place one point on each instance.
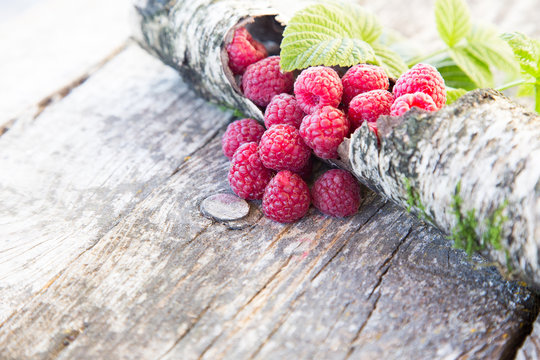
(224, 207)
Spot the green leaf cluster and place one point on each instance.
(336, 34)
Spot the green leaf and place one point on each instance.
(453, 20)
(525, 90)
(485, 44)
(452, 74)
(477, 70)
(389, 60)
(329, 34)
(526, 50)
(454, 94)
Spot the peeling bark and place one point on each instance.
(484, 140)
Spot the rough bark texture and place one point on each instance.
(105, 253)
(485, 142)
(189, 36)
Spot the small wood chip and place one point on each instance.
(224, 207)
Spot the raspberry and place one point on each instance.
(362, 78)
(422, 78)
(283, 109)
(244, 51)
(247, 176)
(264, 79)
(282, 148)
(317, 87)
(324, 130)
(240, 132)
(286, 197)
(419, 99)
(336, 193)
(369, 106)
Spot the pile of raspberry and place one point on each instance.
(310, 114)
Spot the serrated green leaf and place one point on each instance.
(477, 70)
(453, 20)
(454, 94)
(453, 76)
(485, 44)
(389, 60)
(329, 34)
(526, 50)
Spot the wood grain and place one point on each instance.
(71, 174)
(108, 254)
(51, 47)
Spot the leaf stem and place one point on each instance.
(421, 58)
(512, 84)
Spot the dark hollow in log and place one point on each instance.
(484, 142)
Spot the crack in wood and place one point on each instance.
(385, 266)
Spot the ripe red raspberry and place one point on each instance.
(263, 80)
(336, 193)
(362, 78)
(282, 148)
(286, 197)
(247, 175)
(324, 130)
(283, 109)
(422, 78)
(369, 106)
(244, 51)
(419, 99)
(317, 87)
(240, 132)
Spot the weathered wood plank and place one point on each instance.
(73, 173)
(54, 44)
(130, 268)
(168, 282)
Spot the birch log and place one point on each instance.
(484, 141)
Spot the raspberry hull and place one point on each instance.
(317, 87)
(247, 175)
(263, 80)
(286, 198)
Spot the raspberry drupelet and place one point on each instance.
(336, 193)
(247, 175)
(286, 197)
(422, 78)
(324, 130)
(369, 106)
(283, 109)
(263, 80)
(243, 51)
(282, 148)
(419, 99)
(240, 132)
(317, 87)
(362, 78)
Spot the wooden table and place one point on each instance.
(104, 252)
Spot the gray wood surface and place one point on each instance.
(107, 254)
